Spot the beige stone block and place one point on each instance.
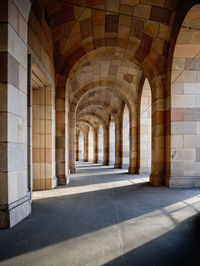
(176, 141)
(151, 28)
(17, 129)
(192, 141)
(186, 76)
(198, 128)
(154, 2)
(17, 156)
(142, 11)
(197, 98)
(178, 64)
(49, 172)
(49, 97)
(177, 88)
(23, 79)
(177, 169)
(183, 154)
(23, 185)
(48, 112)
(60, 105)
(130, 2)
(17, 102)
(183, 101)
(164, 32)
(60, 168)
(183, 128)
(16, 47)
(48, 141)
(192, 88)
(188, 37)
(187, 50)
(112, 5)
(13, 187)
(191, 168)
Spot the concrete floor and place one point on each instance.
(107, 217)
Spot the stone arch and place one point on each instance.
(183, 109)
(145, 128)
(126, 137)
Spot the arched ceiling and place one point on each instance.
(130, 29)
(103, 48)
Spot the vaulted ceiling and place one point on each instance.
(103, 48)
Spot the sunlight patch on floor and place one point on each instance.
(66, 191)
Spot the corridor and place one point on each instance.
(107, 217)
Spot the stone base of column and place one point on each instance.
(117, 166)
(94, 161)
(63, 180)
(156, 180)
(132, 170)
(73, 170)
(105, 163)
(12, 214)
(85, 160)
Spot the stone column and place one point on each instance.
(118, 143)
(15, 201)
(60, 134)
(86, 145)
(106, 144)
(95, 145)
(72, 141)
(158, 135)
(133, 165)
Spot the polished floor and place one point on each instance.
(107, 217)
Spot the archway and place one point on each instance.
(81, 146)
(126, 137)
(184, 113)
(100, 144)
(112, 143)
(145, 129)
(91, 146)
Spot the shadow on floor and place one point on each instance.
(71, 226)
(175, 248)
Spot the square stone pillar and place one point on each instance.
(15, 201)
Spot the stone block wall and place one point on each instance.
(43, 120)
(185, 105)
